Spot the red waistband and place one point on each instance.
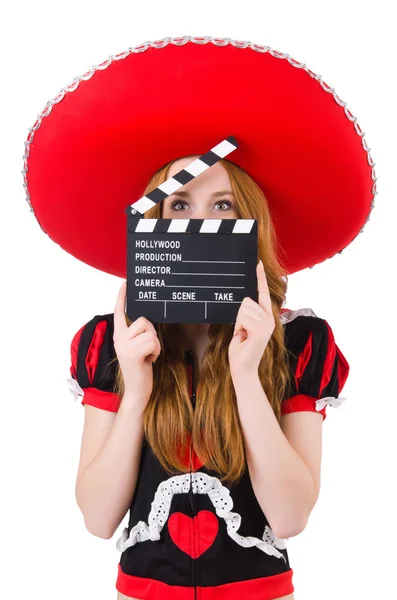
(262, 588)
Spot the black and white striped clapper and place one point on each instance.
(189, 270)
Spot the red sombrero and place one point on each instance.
(96, 144)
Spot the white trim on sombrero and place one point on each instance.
(202, 483)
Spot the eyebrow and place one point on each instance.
(214, 195)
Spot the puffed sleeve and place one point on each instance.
(92, 375)
(318, 368)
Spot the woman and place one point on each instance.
(238, 408)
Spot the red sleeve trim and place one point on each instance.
(100, 399)
(301, 402)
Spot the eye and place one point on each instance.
(175, 202)
(225, 202)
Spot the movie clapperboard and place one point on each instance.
(189, 270)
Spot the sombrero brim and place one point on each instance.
(94, 147)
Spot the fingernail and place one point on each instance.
(261, 263)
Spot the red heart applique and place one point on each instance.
(193, 536)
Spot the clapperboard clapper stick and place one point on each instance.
(189, 270)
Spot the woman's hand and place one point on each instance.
(253, 329)
(137, 347)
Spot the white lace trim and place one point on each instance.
(74, 388)
(290, 315)
(202, 483)
(331, 400)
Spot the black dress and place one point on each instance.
(190, 536)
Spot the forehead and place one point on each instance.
(216, 174)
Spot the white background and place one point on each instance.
(347, 549)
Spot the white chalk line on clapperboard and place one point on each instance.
(168, 187)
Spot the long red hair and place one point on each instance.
(214, 424)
